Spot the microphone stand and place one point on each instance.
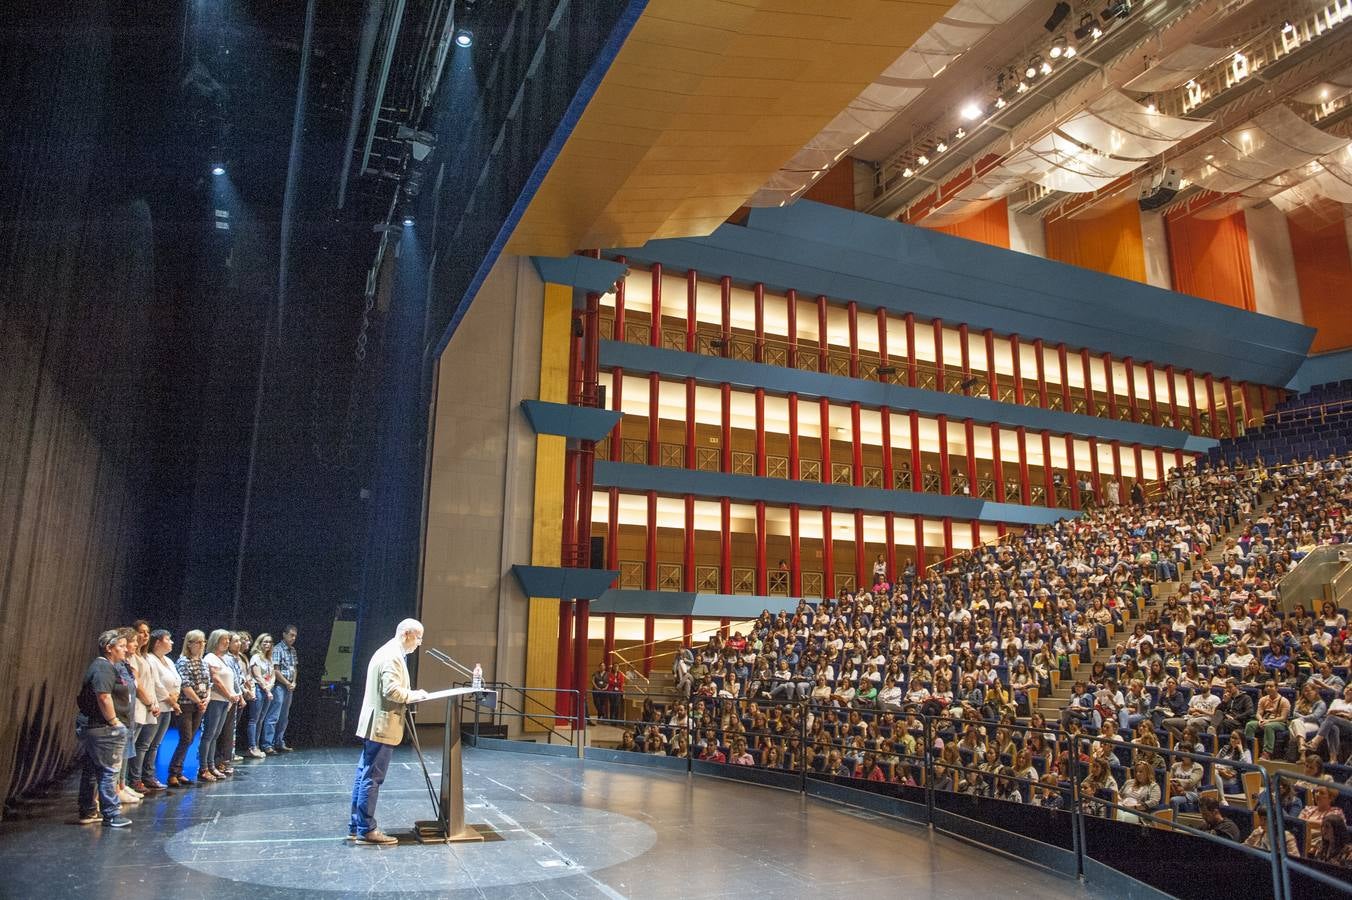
(449, 825)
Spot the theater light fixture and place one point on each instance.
(218, 169)
(1023, 87)
(1031, 70)
(1287, 27)
(1058, 47)
(408, 221)
(940, 147)
(464, 38)
(971, 111)
(1000, 103)
(1045, 68)
(1059, 14)
(907, 172)
(1070, 51)
(1086, 28)
(1117, 9)
(922, 160)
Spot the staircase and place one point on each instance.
(1051, 706)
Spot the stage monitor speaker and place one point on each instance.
(598, 553)
(1158, 190)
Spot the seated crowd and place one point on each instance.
(1211, 667)
(225, 687)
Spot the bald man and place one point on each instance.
(381, 727)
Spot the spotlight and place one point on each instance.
(922, 160)
(1086, 27)
(1059, 13)
(1070, 51)
(907, 172)
(1117, 9)
(1023, 87)
(1058, 47)
(960, 134)
(971, 111)
(1031, 70)
(1150, 107)
(464, 38)
(1045, 68)
(1096, 32)
(940, 147)
(408, 221)
(218, 169)
(1287, 27)
(1000, 103)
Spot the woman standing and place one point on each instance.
(167, 687)
(146, 710)
(195, 684)
(238, 663)
(260, 665)
(221, 697)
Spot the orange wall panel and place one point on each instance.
(836, 187)
(1209, 258)
(989, 226)
(1110, 243)
(1324, 273)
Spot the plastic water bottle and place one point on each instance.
(478, 681)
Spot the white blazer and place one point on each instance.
(387, 692)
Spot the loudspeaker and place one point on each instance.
(1159, 190)
(598, 553)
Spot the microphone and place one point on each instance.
(447, 661)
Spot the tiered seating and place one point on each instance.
(1317, 423)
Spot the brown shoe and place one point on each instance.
(205, 775)
(376, 836)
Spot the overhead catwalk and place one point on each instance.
(566, 828)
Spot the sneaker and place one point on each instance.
(237, 758)
(117, 822)
(133, 791)
(269, 751)
(88, 818)
(376, 836)
(285, 749)
(257, 754)
(127, 798)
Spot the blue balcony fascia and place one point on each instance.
(750, 488)
(564, 583)
(583, 272)
(686, 603)
(582, 422)
(637, 358)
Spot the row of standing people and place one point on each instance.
(134, 692)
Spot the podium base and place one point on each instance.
(430, 832)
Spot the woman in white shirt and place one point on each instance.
(145, 712)
(260, 663)
(160, 671)
(219, 700)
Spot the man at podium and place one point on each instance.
(381, 727)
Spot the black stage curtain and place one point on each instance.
(76, 299)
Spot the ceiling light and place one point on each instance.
(907, 172)
(1240, 57)
(1117, 9)
(1086, 27)
(1096, 32)
(1070, 51)
(940, 147)
(971, 111)
(960, 134)
(1324, 94)
(1058, 47)
(922, 160)
(1287, 27)
(408, 221)
(1000, 103)
(1031, 70)
(1045, 68)
(218, 169)
(1151, 107)
(1023, 87)
(1059, 14)
(464, 38)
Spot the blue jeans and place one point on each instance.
(151, 735)
(256, 713)
(375, 760)
(217, 712)
(101, 751)
(275, 718)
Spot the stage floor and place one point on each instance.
(569, 829)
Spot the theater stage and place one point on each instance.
(569, 829)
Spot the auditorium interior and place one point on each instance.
(923, 425)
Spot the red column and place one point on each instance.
(856, 433)
(1152, 394)
(616, 403)
(793, 437)
(792, 296)
(725, 307)
(1132, 402)
(1024, 484)
(655, 326)
(881, 316)
(1175, 420)
(725, 546)
(1227, 386)
(690, 448)
(654, 402)
(563, 669)
(828, 555)
(948, 537)
(650, 550)
(890, 524)
(1211, 404)
(762, 576)
(617, 331)
(760, 432)
(863, 565)
(1262, 403)
(581, 625)
(649, 637)
(1017, 359)
(852, 314)
(821, 334)
(687, 628)
(568, 549)
(1111, 385)
(889, 474)
(991, 375)
(966, 357)
(916, 483)
(613, 529)
(609, 636)
(997, 465)
(1087, 371)
(1061, 362)
(691, 299)
(938, 325)
(688, 557)
(759, 299)
(910, 349)
(824, 411)
(945, 478)
(725, 463)
(1159, 463)
(1048, 485)
(795, 551)
(920, 564)
(1192, 402)
(1042, 395)
(1117, 462)
(969, 436)
(1140, 469)
(1094, 471)
(1072, 474)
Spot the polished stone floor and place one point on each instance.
(568, 828)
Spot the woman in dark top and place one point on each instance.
(104, 704)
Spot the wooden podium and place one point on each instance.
(449, 825)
